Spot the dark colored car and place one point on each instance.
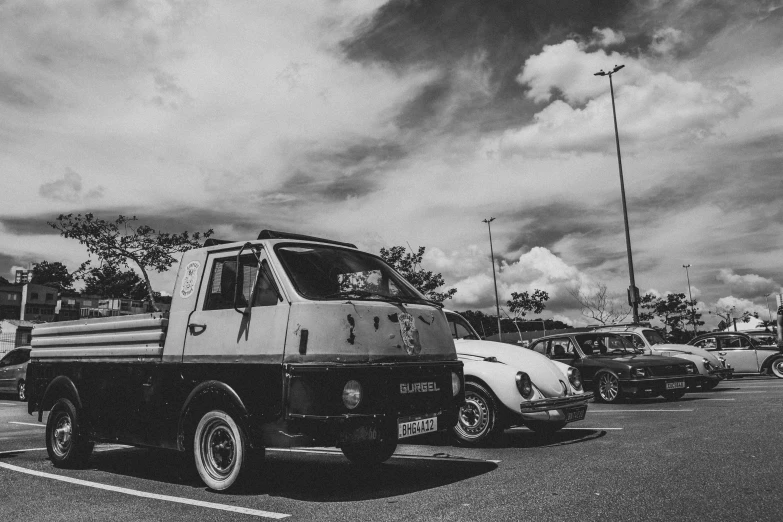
(743, 352)
(614, 368)
(13, 372)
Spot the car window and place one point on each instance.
(539, 346)
(561, 348)
(734, 342)
(635, 340)
(460, 328)
(708, 343)
(5, 360)
(653, 337)
(765, 339)
(226, 278)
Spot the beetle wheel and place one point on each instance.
(777, 367)
(608, 388)
(477, 419)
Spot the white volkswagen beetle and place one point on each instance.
(508, 386)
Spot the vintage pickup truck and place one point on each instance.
(287, 340)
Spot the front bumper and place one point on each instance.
(657, 385)
(554, 410)
(721, 373)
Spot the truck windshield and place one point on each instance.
(331, 273)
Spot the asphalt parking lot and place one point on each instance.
(710, 456)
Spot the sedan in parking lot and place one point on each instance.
(507, 386)
(614, 368)
(743, 352)
(13, 372)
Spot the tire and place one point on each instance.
(477, 422)
(607, 388)
(709, 385)
(66, 442)
(368, 454)
(544, 427)
(673, 395)
(776, 367)
(21, 392)
(222, 453)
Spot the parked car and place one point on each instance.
(13, 372)
(743, 352)
(711, 368)
(614, 368)
(764, 338)
(508, 386)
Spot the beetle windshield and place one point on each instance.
(323, 272)
(605, 344)
(654, 337)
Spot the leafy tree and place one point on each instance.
(673, 310)
(600, 305)
(52, 274)
(521, 304)
(728, 314)
(120, 242)
(111, 281)
(409, 265)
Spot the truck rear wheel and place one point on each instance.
(370, 453)
(222, 453)
(65, 440)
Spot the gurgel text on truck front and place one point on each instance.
(287, 340)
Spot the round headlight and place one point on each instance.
(707, 364)
(352, 394)
(524, 385)
(575, 378)
(456, 384)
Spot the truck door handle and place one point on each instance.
(194, 326)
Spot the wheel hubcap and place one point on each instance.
(218, 450)
(777, 368)
(474, 416)
(61, 436)
(21, 391)
(608, 387)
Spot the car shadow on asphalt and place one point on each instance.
(300, 476)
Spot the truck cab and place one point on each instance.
(287, 340)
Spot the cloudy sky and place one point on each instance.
(408, 122)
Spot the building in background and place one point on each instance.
(10, 302)
(38, 303)
(14, 333)
(23, 277)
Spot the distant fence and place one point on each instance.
(9, 341)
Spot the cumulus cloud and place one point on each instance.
(666, 40)
(737, 306)
(652, 106)
(470, 272)
(607, 36)
(748, 285)
(68, 189)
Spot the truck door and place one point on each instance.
(242, 348)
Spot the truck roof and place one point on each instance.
(274, 234)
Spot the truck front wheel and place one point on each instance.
(221, 450)
(370, 453)
(65, 442)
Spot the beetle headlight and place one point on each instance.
(575, 378)
(638, 372)
(524, 385)
(456, 384)
(723, 362)
(707, 364)
(352, 394)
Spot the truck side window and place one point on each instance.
(225, 278)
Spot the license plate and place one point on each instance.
(675, 384)
(575, 414)
(407, 427)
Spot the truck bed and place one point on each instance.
(136, 336)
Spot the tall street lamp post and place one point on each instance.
(693, 314)
(492, 254)
(633, 292)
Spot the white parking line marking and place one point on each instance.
(631, 411)
(711, 399)
(12, 404)
(135, 493)
(22, 450)
(727, 392)
(521, 428)
(325, 451)
(28, 424)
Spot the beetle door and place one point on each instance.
(739, 353)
